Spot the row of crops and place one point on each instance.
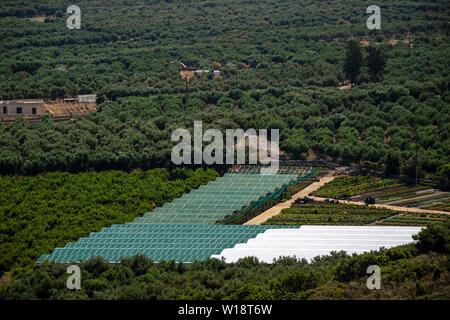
(444, 206)
(331, 214)
(413, 219)
(404, 194)
(345, 187)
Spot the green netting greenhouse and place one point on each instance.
(218, 199)
(184, 229)
(179, 242)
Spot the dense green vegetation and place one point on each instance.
(329, 213)
(419, 271)
(345, 187)
(130, 47)
(289, 57)
(444, 174)
(43, 212)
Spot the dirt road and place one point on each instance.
(263, 217)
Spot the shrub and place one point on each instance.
(436, 238)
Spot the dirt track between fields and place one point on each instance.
(266, 215)
(263, 217)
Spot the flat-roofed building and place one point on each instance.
(24, 107)
(87, 98)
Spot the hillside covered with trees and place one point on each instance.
(281, 65)
(132, 47)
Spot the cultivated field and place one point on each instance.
(412, 219)
(346, 187)
(329, 213)
(388, 192)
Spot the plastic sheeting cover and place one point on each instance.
(310, 241)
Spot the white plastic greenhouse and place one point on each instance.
(310, 241)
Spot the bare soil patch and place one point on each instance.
(187, 74)
(68, 109)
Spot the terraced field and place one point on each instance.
(397, 194)
(346, 187)
(444, 206)
(412, 219)
(432, 199)
(413, 197)
(329, 214)
(385, 191)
